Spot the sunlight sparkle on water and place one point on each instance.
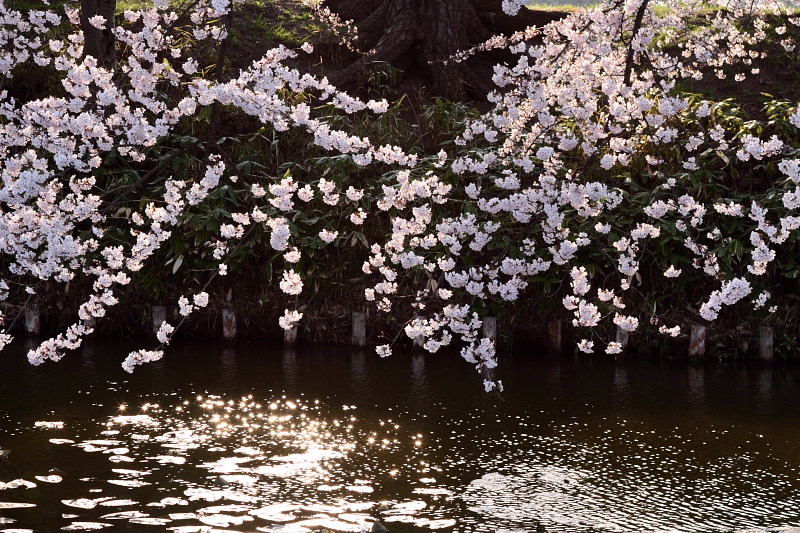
(287, 462)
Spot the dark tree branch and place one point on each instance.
(637, 25)
(98, 43)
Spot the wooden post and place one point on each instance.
(555, 337)
(766, 342)
(32, 322)
(622, 338)
(697, 341)
(359, 336)
(418, 342)
(290, 336)
(159, 316)
(489, 329)
(228, 324)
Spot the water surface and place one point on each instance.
(254, 438)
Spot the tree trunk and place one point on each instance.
(430, 31)
(99, 43)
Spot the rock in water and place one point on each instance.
(377, 527)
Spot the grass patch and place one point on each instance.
(125, 5)
(556, 5)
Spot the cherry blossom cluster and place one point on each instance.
(593, 102)
(584, 159)
(52, 151)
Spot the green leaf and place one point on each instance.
(738, 250)
(363, 239)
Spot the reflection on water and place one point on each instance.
(251, 439)
(696, 395)
(622, 390)
(228, 367)
(284, 461)
(291, 370)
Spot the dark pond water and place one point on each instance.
(253, 438)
